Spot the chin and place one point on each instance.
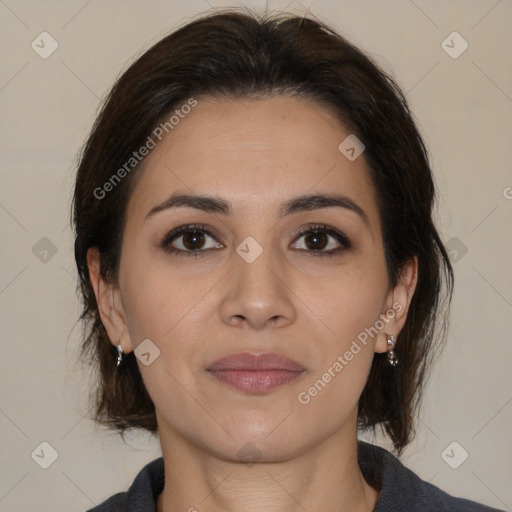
(262, 438)
(259, 449)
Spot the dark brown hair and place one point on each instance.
(238, 54)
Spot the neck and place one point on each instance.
(327, 477)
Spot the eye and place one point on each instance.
(316, 240)
(192, 241)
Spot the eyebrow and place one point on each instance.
(306, 202)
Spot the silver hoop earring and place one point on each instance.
(119, 354)
(392, 359)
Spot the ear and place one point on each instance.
(109, 302)
(397, 305)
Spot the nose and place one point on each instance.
(257, 294)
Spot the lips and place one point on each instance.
(255, 373)
(248, 361)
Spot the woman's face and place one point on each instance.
(259, 282)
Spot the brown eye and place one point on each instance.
(193, 240)
(188, 240)
(318, 238)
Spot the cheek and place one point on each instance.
(330, 398)
(350, 311)
(347, 350)
(348, 302)
(160, 307)
(155, 300)
(163, 307)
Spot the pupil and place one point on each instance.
(194, 236)
(316, 237)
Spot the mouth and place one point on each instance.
(255, 373)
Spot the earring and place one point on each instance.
(392, 359)
(119, 354)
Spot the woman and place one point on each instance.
(261, 274)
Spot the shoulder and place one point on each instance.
(116, 503)
(401, 490)
(142, 494)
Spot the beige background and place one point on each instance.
(463, 106)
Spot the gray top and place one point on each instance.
(401, 490)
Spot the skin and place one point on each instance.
(256, 155)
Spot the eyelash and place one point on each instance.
(311, 229)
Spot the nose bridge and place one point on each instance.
(253, 264)
(253, 268)
(257, 292)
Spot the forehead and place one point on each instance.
(256, 154)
